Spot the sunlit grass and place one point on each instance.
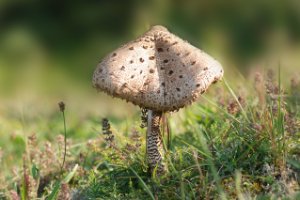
(229, 145)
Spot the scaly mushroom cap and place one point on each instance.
(158, 71)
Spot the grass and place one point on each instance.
(232, 145)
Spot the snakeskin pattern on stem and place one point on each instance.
(154, 142)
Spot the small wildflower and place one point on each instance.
(29, 183)
(271, 87)
(257, 127)
(136, 138)
(130, 147)
(32, 140)
(32, 147)
(14, 195)
(273, 93)
(233, 106)
(109, 137)
(291, 124)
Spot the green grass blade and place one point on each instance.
(197, 149)
(236, 99)
(146, 188)
(238, 183)
(70, 175)
(23, 191)
(211, 164)
(55, 191)
(57, 184)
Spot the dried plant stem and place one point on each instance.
(65, 141)
(62, 107)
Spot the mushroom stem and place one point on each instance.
(154, 142)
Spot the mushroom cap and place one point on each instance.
(157, 71)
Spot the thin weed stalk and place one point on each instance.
(280, 120)
(62, 109)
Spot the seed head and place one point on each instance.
(62, 106)
(109, 137)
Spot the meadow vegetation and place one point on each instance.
(234, 143)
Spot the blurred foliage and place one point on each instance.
(49, 49)
(77, 34)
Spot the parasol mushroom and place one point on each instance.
(159, 72)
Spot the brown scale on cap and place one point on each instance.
(146, 59)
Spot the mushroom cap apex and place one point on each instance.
(157, 71)
(158, 28)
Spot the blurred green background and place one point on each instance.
(49, 49)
